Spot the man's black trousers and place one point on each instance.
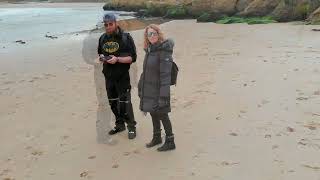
(119, 97)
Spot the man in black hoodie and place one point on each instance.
(117, 51)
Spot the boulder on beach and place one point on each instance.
(211, 10)
(294, 10)
(259, 8)
(314, 18)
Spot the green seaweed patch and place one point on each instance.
(177, 12)
(205, 17)
(248, 20)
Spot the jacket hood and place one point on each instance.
(166, 45)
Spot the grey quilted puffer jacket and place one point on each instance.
(154, 83)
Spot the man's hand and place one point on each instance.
(113, 59)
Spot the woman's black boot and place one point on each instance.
(155, 140)
(168, 144)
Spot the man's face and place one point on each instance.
(110, 26)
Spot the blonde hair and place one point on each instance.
(157, 29)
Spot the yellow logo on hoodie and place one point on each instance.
(111, 47)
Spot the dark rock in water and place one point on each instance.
(3, 47)
(51, 37)
(141, 13)
(109, 6)
(20, 42)
(315, 29)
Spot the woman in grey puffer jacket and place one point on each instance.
(154, 85)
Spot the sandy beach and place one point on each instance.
(246, 107)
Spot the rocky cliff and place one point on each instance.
(280, 10)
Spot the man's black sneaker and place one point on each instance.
(116, 130)
(132, 134)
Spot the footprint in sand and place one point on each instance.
(233, 134)
(37, 153)
(28, 148)
(303, 142)
(275, 147)
(311, 167)
(267, 136)
(5, 172)
(8, 82)
(7, 178)
(115, 166)
(47, 75)
(136, 151)
(92, 157)
(278, 161)
(290, 129)
(302, 98)
(243, 111)
(202, 92)
(196, 156)
(205, 84)
(225, 163)
(317, 93)
(189, 103)
(35, 79)
(265, 102)
(311, 127)
(84, 174)
(71, 69)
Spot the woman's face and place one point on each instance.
(152, 35)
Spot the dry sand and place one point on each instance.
(246, 107)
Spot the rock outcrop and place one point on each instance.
(314, 18)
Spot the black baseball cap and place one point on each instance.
(109, 17)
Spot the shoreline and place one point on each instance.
(129, 24)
